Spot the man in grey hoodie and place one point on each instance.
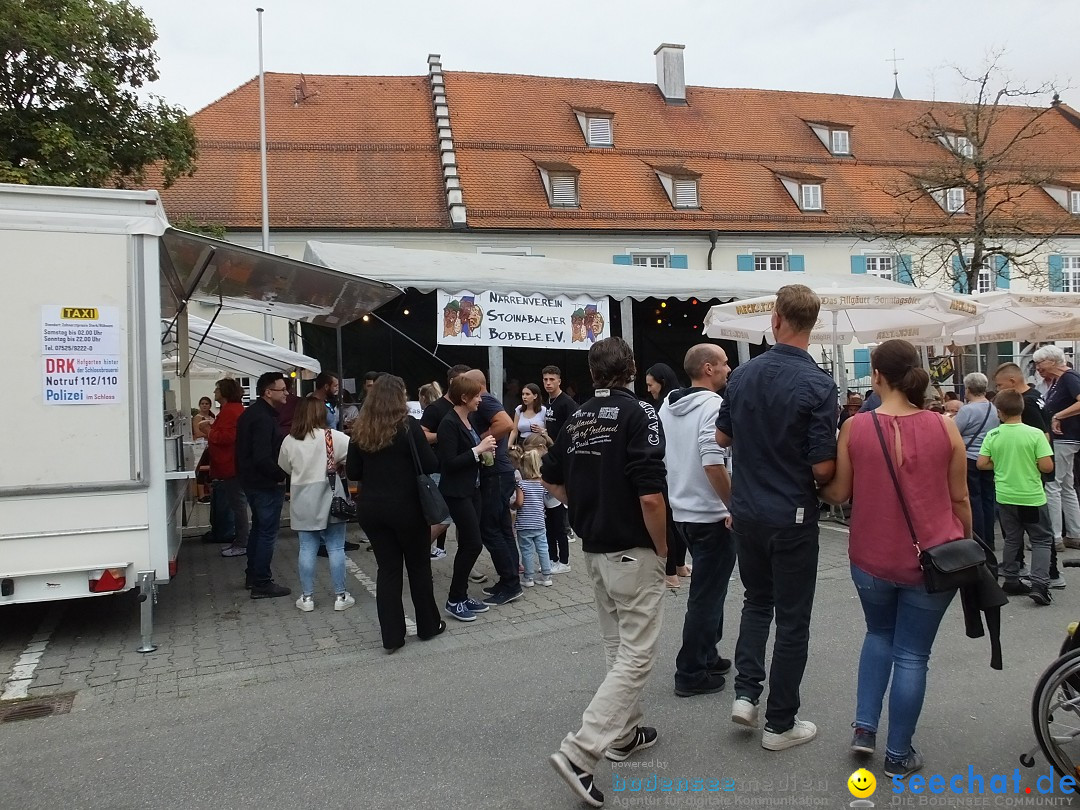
(698, 490)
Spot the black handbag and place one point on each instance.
(953, 564)
(342, 507)
(432, 504)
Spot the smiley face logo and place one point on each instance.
(861, 783)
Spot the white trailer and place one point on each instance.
(94, 480)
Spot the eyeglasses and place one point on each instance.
(277, 390)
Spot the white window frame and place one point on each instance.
(840, 142)
(1070, 273)
(955, 200)
(573, 178)
(685, 181)
(590, 140)
(987, 280)
(807, 194)
(881, 266)
(1074, 201)
(770, 262)
(963, 146)
(653, 261)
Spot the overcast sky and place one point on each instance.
(209, 47)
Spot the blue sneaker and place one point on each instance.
(460, 611)
(502, 597)
(474, 606)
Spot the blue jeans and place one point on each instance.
(713, 550)
(265, 519)
(983, 502)
(334, 537)
(534, 544)
(901, 624)
(222, 524)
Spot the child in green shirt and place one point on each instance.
(1018, 454)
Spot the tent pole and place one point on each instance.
(978, 352)
(744, 351)
(626, 309)
(835, 352)
(340, 361)
(495, 372)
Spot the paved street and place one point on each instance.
(253, 703)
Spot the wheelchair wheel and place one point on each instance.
(1055, 713)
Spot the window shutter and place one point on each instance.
(862, 362)
(744, 263)
(858, 265)
(600, 132)
(564, 190)
(903, 271)
(627, 260)
(1002, 273)
(686, 194)
(679, 263)
(960, 281)
(1057, 273)
(796, 264)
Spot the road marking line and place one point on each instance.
(369, 586)
(22, 673)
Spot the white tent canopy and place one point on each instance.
(428, 270)
(229, 349)
(1022, 316)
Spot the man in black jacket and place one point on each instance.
(258, 440)
(607, 465)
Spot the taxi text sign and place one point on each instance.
(525, 321)
(80, 355)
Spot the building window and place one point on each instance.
(598, 132)
(958, 144)
(881, 266)
(686, 194)
(1074, 202)
(841, 142)
(770, 263)
(985, 283)
(656, 261)
(811, 197)
(954, 200)
(564, 190)
(1070, 273)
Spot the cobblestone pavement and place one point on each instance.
(210, 634)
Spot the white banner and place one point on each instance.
(527, 321)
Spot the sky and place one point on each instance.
(209, 47)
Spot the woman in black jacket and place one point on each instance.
(381, 460)
(661, 380)
(460, 451)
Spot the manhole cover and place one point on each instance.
(33, 708)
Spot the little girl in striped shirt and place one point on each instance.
(531, 534)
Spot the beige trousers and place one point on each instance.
(629, 590)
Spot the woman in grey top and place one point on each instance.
(977, 418)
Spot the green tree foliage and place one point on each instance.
(70, 114)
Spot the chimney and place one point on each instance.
(670, 77)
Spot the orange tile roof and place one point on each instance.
(363, 154)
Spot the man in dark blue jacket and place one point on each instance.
(258, 440)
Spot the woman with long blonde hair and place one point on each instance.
(381, 459)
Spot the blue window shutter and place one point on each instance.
(1057, 273)
(1002, 281)
(796, 264)
(862, 362)
(744, 263)
(679, 263)
(858, 265)
(622, 259)
(960, 284)
(903, 271)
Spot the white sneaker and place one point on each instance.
(527, 582)
(546, 582)
(744, 712)
(344, 601)
(306, 604)
(802, 732)
(560, 568)
(437, 553)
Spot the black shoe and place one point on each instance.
(393, 649)
(249, 583)
(351, 546)
(321, 552)
(1015, 587)
(269, 591)
(490, 590)
(721, 667)
(644, 737)
(438, 632)
(581, 782)
(1041, 596)
(711, 683)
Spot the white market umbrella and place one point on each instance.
(1034, 317)
(225, 348)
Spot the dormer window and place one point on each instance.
(596, 126)
(1074, 202)
(1067, 198)
(561, 184)
(954, 200)
(680, 184)
(957, 144)
(834, 137)
(811, 197)
(806, 190)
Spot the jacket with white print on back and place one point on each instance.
(689, 419)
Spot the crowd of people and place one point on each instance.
(700, 469)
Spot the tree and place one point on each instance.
(69, 109)
(980, 206)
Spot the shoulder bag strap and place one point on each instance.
(896, 482)
(331, 467)
(981, 426)
(412, 449)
